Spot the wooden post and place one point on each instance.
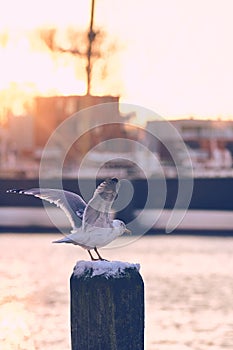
(107, 306)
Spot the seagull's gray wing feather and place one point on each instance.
(98, 208)
(71, 203)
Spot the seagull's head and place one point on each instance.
(120, 227)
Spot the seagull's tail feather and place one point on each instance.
(64, 240)
(20, 191)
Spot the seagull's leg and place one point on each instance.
(99, 256)
(92, 258)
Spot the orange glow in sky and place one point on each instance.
(175, 56)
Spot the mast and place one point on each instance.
(91, 38)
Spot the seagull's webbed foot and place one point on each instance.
(99, 256)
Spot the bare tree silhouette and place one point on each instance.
(90, 46)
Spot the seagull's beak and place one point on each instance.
(127, 231)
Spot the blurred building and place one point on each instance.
(50, 112)
(209, 142)
(95, 125)
(24, 137)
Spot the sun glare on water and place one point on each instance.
(14, 321)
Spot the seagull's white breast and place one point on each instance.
(94, 237)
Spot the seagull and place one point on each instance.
(92, 226)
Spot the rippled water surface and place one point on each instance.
(188, 286)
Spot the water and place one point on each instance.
(188, 286)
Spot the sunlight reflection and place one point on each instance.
(15, 327)
(18, 85)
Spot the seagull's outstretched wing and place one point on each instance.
(97, 210)
(71, 203)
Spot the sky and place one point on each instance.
(174, 56)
